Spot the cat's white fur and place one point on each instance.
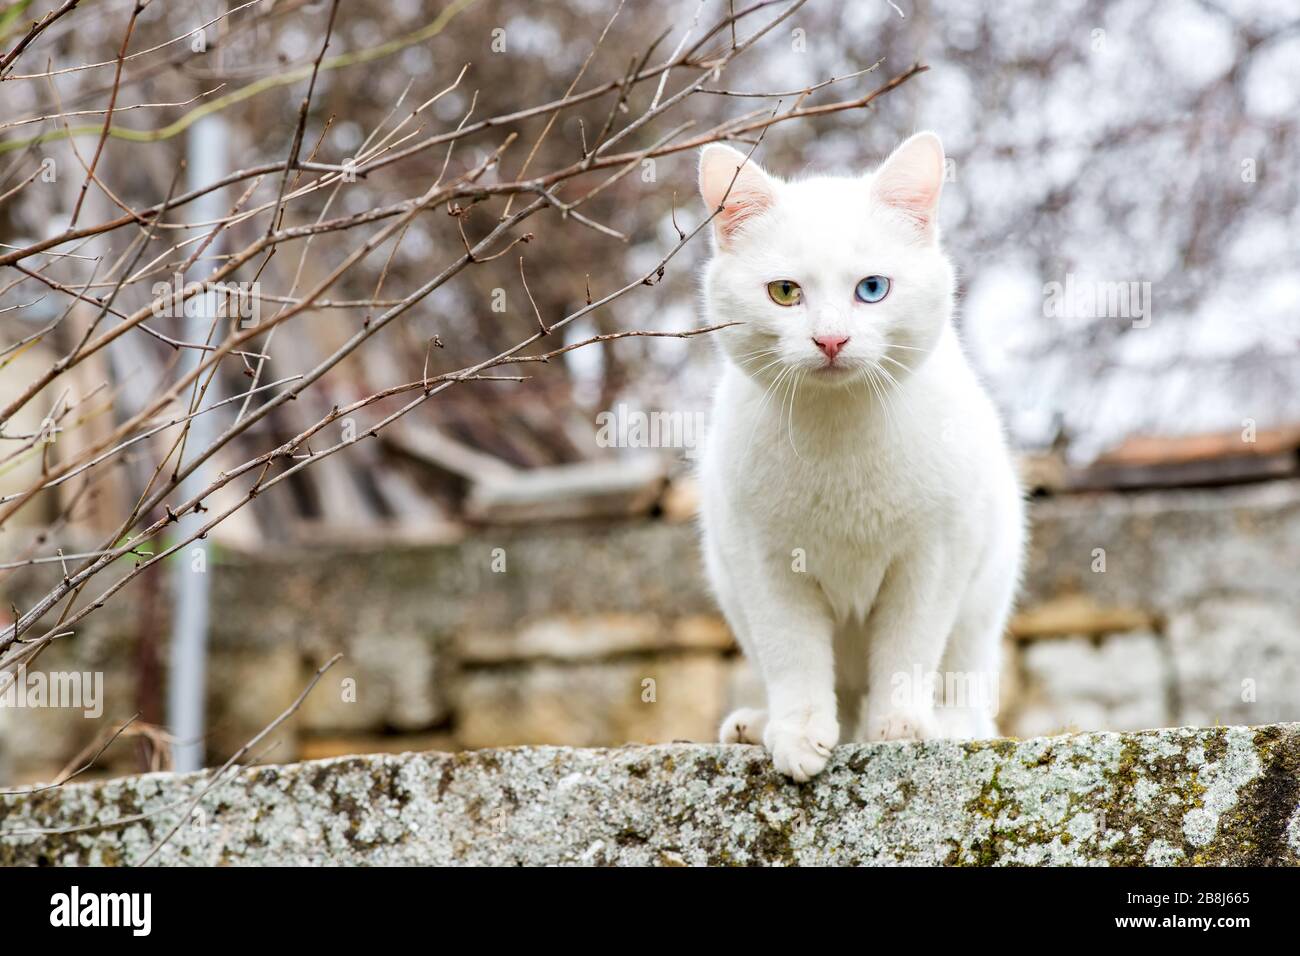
(863, 525)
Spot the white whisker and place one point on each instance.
(758, 416)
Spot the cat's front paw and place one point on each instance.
(800, 746)
(743, 726)
(903, 725)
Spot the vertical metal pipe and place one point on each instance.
(206, 145)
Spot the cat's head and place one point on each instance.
(835, 279)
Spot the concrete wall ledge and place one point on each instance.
(1226, 795)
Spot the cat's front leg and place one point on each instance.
(908, 630)
(791, 639)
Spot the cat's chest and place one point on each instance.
(850, 486)
(842, 503)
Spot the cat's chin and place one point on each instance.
(834, 376)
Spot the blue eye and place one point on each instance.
(872, 289)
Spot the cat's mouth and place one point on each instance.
(837, 373)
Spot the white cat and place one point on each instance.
(863, 525)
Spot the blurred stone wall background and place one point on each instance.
(548, 633)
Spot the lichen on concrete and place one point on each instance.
(1164, 797)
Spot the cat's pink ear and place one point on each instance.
(750, 195)
(910, 181)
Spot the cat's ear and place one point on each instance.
(750, 195)
(910, 181)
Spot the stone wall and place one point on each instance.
(1227, 796)
(1139, 610)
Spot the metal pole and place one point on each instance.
(206, 144)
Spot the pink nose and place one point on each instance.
(830, 344)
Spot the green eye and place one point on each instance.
(784, 292)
